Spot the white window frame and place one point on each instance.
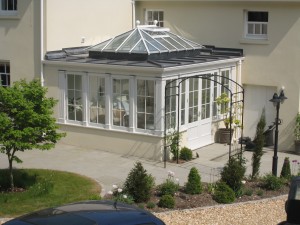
(219, 116)
(130, 80)
(83, 98)
(155, 106)
(106, 110)
(9, 12)
(85, 93)
(160, 22)
(260, 35)
(6, 74)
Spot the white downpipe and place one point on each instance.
(42, 42)
(133, 13)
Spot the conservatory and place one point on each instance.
(113, 96)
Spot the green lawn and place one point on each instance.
(44, 188)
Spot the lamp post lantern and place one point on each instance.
(277, 100)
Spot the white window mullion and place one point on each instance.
(132, 103)
(108, 106)
(62, 115)
(85, 94)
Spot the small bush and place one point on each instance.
(193, 186)
(186, 154)
(169, 187)
(248, 192)
(223, 193)
(233, 174)
(139, 184)
(211, 187)
(150, 205)
(271, 182)
(167, 201)
(286, 169)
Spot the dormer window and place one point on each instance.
(154, 15)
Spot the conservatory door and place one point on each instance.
(199, 113)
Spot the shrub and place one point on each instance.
(167, 201)
(193, 186)
(150, 205)
(271, 182)
(233, 174)
(169, 187)
(259, 142)
(248, 192)
(286, 169)
(173, 140)
(139, 184)
(211, 187)
(186, 154)
(223, 193)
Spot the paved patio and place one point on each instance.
(109, 168)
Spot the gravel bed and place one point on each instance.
(262, 212)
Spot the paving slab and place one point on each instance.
(109, 168)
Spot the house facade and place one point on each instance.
(268, 31)
(29, 28)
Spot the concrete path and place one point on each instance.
(108, 168)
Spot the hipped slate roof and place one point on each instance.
(149, 46)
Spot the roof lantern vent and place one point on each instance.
(145, 42)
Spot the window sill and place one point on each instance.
(253, 41)
(9, 17)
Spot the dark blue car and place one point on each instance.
(292, 205)
(89, 213)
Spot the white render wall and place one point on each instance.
(67, 22)
(20, 42)
(268, 63)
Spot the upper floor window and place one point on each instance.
(5, 74)
(256, 24)
(152, 15)
(8, 6)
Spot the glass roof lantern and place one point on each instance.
(143, 43)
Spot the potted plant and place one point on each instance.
(297, 134)
(224, 133)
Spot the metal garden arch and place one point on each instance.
(176, 83)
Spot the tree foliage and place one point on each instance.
(286, 169)
(233, 173)
(139, 183)
(194, 186)
(27, 122)
(259, 144)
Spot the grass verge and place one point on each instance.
(42, 189)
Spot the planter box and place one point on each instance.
(224, 135)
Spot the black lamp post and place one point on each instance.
(277, 99)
